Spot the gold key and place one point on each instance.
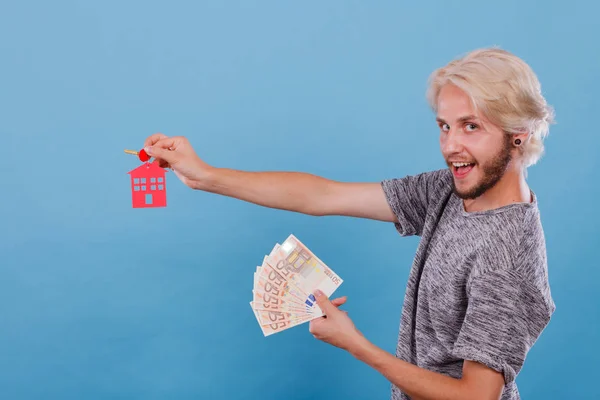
(142, 155)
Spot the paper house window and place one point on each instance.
(145, 192)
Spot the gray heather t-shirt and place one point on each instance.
(478, 288)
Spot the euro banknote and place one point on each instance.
(282, 294)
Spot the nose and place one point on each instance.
(451, 141)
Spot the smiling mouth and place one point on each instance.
(461, 169)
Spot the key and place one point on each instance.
(142, 155)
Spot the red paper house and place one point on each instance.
(148, 186)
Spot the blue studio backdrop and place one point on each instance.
(99, 300)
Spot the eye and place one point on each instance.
(471, 127)
(445, 127)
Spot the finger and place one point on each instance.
(163, 143)
(339, 301)
(161, 155)
(161, 163)
(162, 149)
(326, 306)
(150, 140)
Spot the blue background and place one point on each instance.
(99, 300)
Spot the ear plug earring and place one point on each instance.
(518, 142)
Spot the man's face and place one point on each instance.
(477, 152)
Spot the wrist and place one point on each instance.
(206, 178)
(360, 347)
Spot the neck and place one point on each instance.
(511, 188)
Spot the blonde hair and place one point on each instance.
(505, 90)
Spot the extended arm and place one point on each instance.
(300, 192)
(293, 191)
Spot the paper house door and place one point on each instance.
(148, 186)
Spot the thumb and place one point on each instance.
(161, 153)
(326, 306)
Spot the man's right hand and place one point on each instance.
(177, 153)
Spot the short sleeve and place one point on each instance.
(409, 198)
(505, 316)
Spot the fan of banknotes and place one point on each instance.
(284, 285)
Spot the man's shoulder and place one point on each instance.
(428, 183)
(413, 198)
(439, 187)
(431, 175)
(531, 260)
(440, 176)
(514, 229)
(514, 244)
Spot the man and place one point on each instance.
(478, 295)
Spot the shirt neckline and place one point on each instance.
(527, 206)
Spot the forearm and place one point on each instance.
(292, 191)
(417, 382)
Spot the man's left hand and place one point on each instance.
(335, 328)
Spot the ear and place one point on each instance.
(519, 139)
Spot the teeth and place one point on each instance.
(459, 164)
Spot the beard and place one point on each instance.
(493, 171)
